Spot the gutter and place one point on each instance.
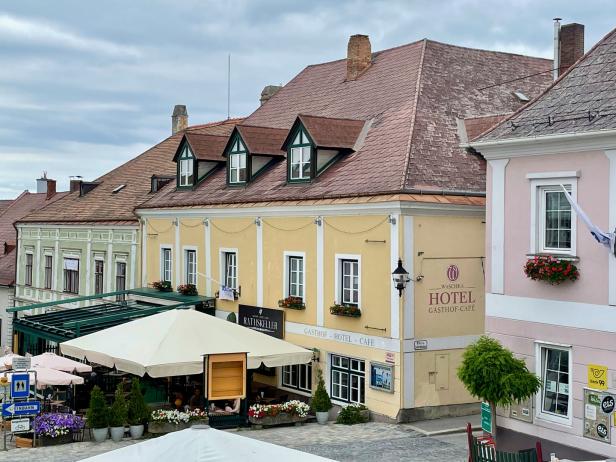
(540, 139)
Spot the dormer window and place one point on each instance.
(237, 163)
(301, 154)
(186, 167)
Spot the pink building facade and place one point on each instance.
(565, 137)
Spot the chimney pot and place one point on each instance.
(359, 56)
(179, 118)
(268, 92)
(571, 46)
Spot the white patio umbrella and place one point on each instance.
(174, 342)
(60, 363)
(204, 444)
(49, 377)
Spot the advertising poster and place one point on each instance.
(598, 408)
(382, 377)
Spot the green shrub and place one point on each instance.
(320, 400)
(119, 410)
(98, 412)
(351, 414)
(138, 412)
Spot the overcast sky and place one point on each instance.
(85, 86)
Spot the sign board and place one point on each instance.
(226, 376)
(486, 417)
(597, 377)
(597, 421)
(21, 408)
(522, 411)
(382, 377)
(390, 358)
(20, 385)
(420, 344)
(265, 320)
(21, 364)
(20, 425)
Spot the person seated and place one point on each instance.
(197, 400)
(178, 401)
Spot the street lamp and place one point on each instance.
(400, 277)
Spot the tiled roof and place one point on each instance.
(475, 126)
(263, 140)
(207, 147)
(581, 100)
(26, 203)
(101, 206)
(411, 97)
(4, 204)
(329, 132)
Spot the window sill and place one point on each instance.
(560, 256)
(296, 391)
(552, 419)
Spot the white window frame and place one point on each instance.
(119, 261)
(287, 269)
(299, 391)
(102, 260)
(222, 259)
(187, 167)
(185, 250)
(31, 274)
(540, 182)
(539, 412)
(71, 257)
(330, 382)
(51, 271)
(242, 159)
(338, 276)
(301, 163)
(164, 247)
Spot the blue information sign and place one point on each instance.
(21, 408)
(20, 386)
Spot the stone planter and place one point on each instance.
(49, 441)
(117, 433)
(136, 431)
(100, 434)
(166, 427)
(322, 417)
(280, 419)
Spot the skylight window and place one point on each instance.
(521, 96)
(118, 189)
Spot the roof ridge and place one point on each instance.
(484, 50)
(552, 85)
(407, 160)
(212, 124)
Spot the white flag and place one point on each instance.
(226, 293)
(606, 239)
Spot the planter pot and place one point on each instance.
(166, 427)
(100, 434)
(49, 441)
(280, 419)
(322, 417)
(136, 431)
(117, 433)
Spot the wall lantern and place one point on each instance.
(400, 277)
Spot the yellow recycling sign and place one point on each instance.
(597, 377)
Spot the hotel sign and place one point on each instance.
(265, 320)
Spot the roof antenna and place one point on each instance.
(229, 87)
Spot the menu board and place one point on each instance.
(598, 408)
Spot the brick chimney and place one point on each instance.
(46, 185)
(359, 56)
(179, 118)
(51, 189)
(571, 46)
(268, 92)
(75, 184)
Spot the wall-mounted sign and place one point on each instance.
(486, 417)
(265, 320)
(597, 377)
(420, 344)
(21, 364)
(596, 420)
(390, 358)
(382, 377)
(20, 386)
(522, 411)
(20, 425)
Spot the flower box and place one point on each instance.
(281, 419)
(267, 415)
(57, 428)
(164, 421)
(49, 441)
(551, 269)
(293, 303)
(187, 289)
(162, 286)
(351, 311)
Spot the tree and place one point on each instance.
(119, 410)
(490, 372)
(138, 411)
(320, 400)
(98, 412)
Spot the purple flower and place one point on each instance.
(56, 424)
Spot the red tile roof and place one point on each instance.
(475, 126)
(206, 147)
(411, 97)
(102, 206)
(4, 204)
(263, 140)
(26, 203)
(581, 100)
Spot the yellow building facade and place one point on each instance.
(417, 338)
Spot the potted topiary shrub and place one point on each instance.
(118, 415)
(321, 404)
(138, 411)
(98, 415)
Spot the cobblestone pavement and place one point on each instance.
(357, 443)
